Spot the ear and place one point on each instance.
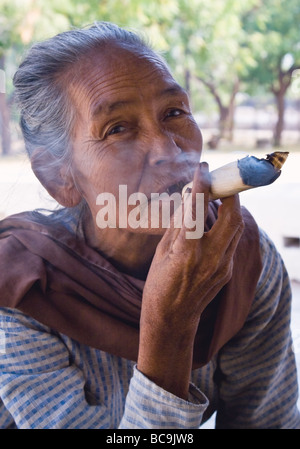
(55, 177)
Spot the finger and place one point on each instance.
(167, 240)
(175, 236)
(235, 241)
(228, 224)
(172, 231)
(196, 204)
(223, 273)
(201, 184)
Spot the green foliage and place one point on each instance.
(274, 39)
(218, 40)
(24, 21)
(221, 42)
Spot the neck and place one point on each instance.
(131, 253)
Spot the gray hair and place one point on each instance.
(46, 115)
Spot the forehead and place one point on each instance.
(114, 74)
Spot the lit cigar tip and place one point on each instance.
(277, 159)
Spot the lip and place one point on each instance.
(169, 182)
(177, 187)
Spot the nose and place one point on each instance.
(162, 148)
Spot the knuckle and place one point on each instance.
(227, 270)
(241, 223)
(236, 219)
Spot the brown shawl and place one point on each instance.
(49, 274)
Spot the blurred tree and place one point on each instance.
(207, 46)
(21, 22)
(4, 112)
(274, 39)
(25, 21)
(224, 45)
(8, 20)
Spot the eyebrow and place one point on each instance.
(175, 89)
(108, 107)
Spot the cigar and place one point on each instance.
(244, 174)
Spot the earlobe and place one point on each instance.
(55, 177)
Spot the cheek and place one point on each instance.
(102, 169)
(190, 136)
(196, 136)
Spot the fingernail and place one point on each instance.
(204, 166)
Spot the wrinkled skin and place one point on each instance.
(134, 126)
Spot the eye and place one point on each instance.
(116, 130)
(174, 113)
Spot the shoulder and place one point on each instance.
(41, 220)
(273, 292)
(13, 321)
(272, 264)
(26, 344)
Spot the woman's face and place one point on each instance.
(134, 128)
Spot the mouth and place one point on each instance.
(176, 187)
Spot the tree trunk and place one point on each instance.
(280, 103)
(223, 120)
(226, 113)
(4, 118)
(231, 109)
(283, 83)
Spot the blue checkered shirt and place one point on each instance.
(48, 380)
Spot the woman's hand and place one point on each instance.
(185, 275)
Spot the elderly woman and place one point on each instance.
(109, 325)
